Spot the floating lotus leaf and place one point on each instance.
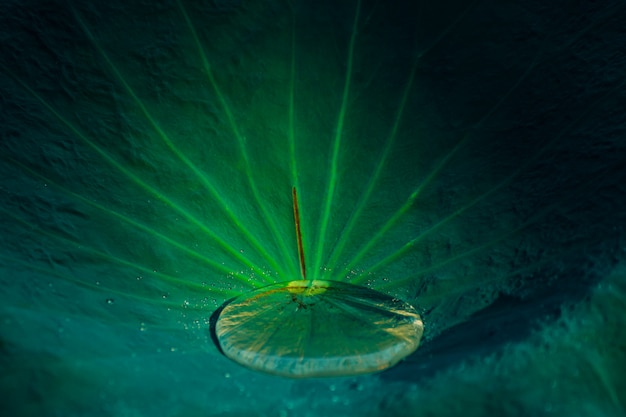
(318, 328)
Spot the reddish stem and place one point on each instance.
(296, 215)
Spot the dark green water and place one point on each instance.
(465, 157)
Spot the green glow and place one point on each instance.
(431, 177)
(153, 233)
(389, 144)
(446, 220)
(373, 181)
(587, 188)
(356, 216)
(80, 247)
(240, 140)
(292, 104)
(332, 178)
(292, 123)
(498, 186)
(140, 182)
(188, 164)
(93, 286)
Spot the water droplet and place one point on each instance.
(110, 301)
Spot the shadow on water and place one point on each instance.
(510, 319)
(213, 322)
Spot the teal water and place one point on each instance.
(464, 157)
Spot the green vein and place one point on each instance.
(373, 181)
(410, 201)
(215, 265)
(332, 178)
(356, 214)
(181, 156)
(407, 247)
(292, 115)
(110, 160)
(105, 256)
(393, 220)
(85, 284)
(268, 217)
